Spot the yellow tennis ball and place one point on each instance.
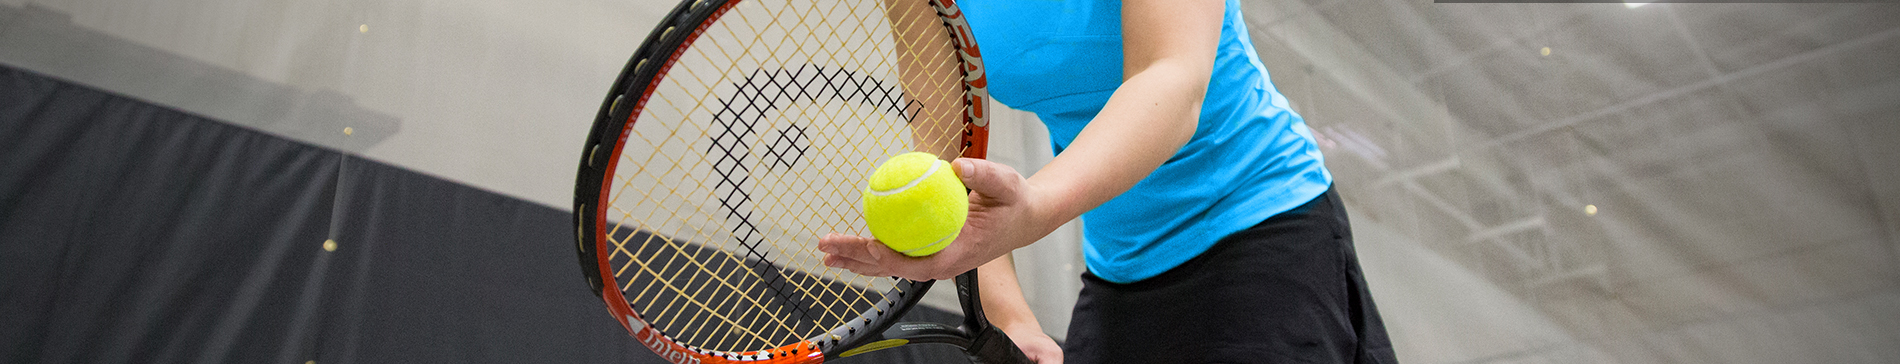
(915, 204)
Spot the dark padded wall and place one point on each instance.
(133, 233)
(430, 271)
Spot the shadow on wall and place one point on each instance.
(48, 42)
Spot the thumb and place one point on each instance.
(989, 178)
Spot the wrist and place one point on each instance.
(1047, 206)
(1018, 326)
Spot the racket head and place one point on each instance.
(737, 134)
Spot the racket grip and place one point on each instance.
(991, 346)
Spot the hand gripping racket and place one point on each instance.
(742, 131)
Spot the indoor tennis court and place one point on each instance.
(395, 181)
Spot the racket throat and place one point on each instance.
(976, 336)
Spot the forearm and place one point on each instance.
(1145, 122)
(1003, 300)
(1168, 49)
(928, 73)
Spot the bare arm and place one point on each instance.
(1005, 307)
(927, 70)
(1169, 48)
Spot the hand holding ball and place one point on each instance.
(915, 204)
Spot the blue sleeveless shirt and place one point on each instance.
(1250, 157)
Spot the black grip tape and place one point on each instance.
(991, 346)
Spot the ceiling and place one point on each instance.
(1654, 182)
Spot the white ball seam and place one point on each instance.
(934, 165)
(940, 242)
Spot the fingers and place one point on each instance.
(847, 246)
(851, 253)
(1045, 358)
(869, 257)
(861, 268)
(990, 178)
(907, 267)
(1038, 347)
(861, 255)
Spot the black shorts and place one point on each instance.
(1288, 290)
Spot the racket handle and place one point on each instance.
(991, 346)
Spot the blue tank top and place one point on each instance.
(1250, 157)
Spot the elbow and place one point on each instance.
(1188, 81)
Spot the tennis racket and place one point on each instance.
(739, 133)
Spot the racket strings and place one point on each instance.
(755, 144)
(851, 88)
(680, 295)
(936, 80)
(809, 83)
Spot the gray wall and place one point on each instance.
(1736, 158)
(1702, 183)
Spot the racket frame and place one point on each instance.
(613, 124)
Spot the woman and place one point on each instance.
(1211, 231)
